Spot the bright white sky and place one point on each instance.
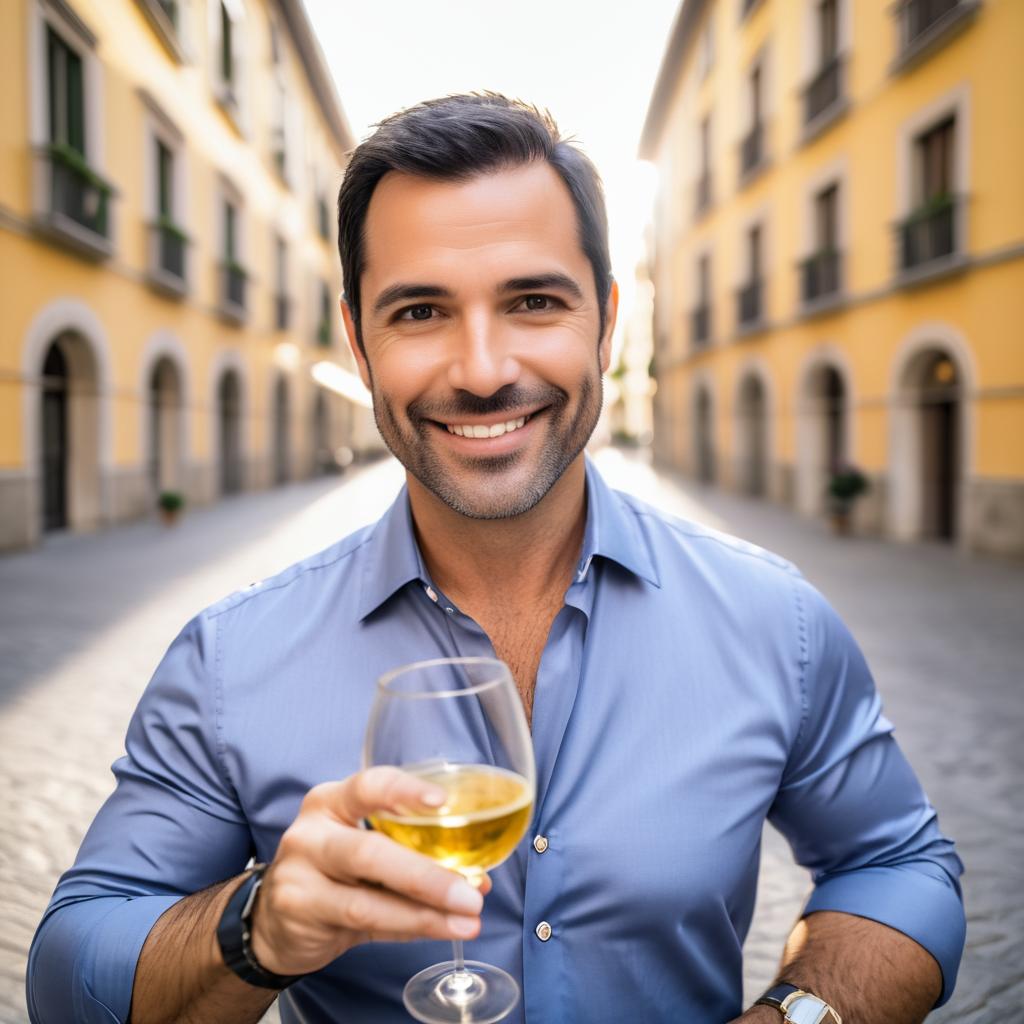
(591, 64)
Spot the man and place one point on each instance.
(682, 686)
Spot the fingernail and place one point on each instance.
(434, 796)
(465, 927)
(463, 898)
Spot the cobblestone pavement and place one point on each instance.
(84, 619)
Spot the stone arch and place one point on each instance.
(229, 422)
(752, 446)
(931, 434)
(281, 404)
(702, 417)
(82, 394)
(166, 397)
(824, 424)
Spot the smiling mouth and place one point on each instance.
(480, 430)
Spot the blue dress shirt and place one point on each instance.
(692, 686)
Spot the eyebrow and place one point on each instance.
(404, 291)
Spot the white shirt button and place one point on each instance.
(540, 843)
(543, 931)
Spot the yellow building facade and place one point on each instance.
(839, 258)
(168, 238)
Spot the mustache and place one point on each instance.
(465, 403)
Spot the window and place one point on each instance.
(752, 148)
(323, 331)
(164, 17)
(170, 240)
(820, 271)
(282, 304)
(706, 52)
(701, 325)
(322, 217)
(749, 310)
(74, 199)
(923, 25)
(930, 233)
(227, 56)
(828, 31)
(233, 273)
(704, 181)
(66, 95)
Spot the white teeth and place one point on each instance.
(478, 430)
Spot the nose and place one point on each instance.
(481, 361)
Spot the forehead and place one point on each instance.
(499, 223)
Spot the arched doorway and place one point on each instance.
(282, 453)
(321, 433)
(752, 462)
(229, 414)
(703, 432)
(822, 445)
(54, 449)
(933, 390)
(69, 470)
(165, 422)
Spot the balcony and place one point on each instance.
(232, 291)
(282, 311)
(748, 305)
(929, 239)
(323, 333)
(823, 97)
(167, 253)
(164, 18)
(820, 278)
(700, 326)
(703, 199)
(925, 24)
(74, 201)
(752, 151)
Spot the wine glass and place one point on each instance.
(458, 723)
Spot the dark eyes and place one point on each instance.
(532, 303)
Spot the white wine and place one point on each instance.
(486, 813)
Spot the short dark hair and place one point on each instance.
(457, 138)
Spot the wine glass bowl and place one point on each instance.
(459, 724)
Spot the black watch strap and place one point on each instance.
(234, 934)
(776, 994)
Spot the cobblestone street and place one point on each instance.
(84, 620)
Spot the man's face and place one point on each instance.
(480, 323)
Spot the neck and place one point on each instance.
(530, 555)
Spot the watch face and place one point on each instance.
(806, 1009)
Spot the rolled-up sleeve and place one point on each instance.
(173, 799)
(852, 808)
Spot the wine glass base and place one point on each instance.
(481, 994)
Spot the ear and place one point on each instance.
(611, 312)
(357, 352)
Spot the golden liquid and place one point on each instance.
(485, 815)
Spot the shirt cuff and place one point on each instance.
(96, 947)
(924, 907)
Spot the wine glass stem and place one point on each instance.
(457, 956)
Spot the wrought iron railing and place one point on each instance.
(282, 311)
(929, 234)
(234, 282)
(823, 90)
(77, 192)
(700, 325)
(170, 244)
(748, 303)
(820, 275)
(917, 17)
(752, 149)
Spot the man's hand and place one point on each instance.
(333, 884)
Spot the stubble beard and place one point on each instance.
(414, 446)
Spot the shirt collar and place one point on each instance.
(611, 532)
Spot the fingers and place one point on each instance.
(377, 913)
(353, 856)
(376, 789)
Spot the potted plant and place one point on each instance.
(170, 504)
(845, 486)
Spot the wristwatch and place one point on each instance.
(798, 1006)
(234, 934)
